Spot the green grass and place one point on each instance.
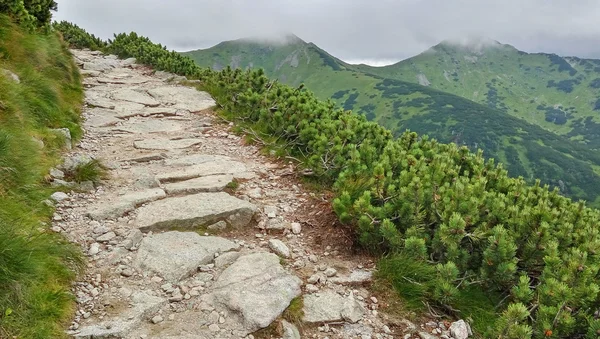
(92, 171)
(414, 281)
(36, 265)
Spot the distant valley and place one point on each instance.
(503, 101)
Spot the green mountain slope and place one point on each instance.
(559, 94)
(526, 149)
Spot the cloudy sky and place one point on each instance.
(372, 31)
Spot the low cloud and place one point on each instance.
(364, 31)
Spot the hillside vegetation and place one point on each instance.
(526, 149)
(559, 94)
(487, 243)
(36, 265)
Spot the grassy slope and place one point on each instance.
(36, 266)
(526, 149)
(559, 94)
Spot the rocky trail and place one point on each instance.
(195, 234)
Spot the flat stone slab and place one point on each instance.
(165, 144)
(101, 121)
(195, 159)
(204, 169)
(150, 111)
(96, 99)
(329, 306)
(139, 97)
(355, 278)
(148, 126)
(124, 204)
(211, 183)
(123, 81)
(258, 288)
(183, 98)
(144, 306)
(100, 65)
(177, 255)
(195, 211)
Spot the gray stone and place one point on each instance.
(157, 319)
(98, 101)
(211, 183)
(143, 306)
(425, 335)
(147, 158)
(131, 95)
(87, 186)
(94, 249)
(10, 75)
(129, 61)
(257, 288)
(290, 331)
(330, 272)
(165, 144)
(133, 239)
(100, 65)
(150, 111)
(148, 126)
(59, 196)
(193, 211)
(90, 73)
(66, 134)
(56, 173)
(459, 330)
(106, 237)
(118, 206)
(177, 255)
(328, 306)
(218, 226)
(136, 80)
(279, 248)
(181, 97)
(355, 278)
(296, 228)
(195, 159)
(100, 117)
(202, 170)
(70, 163)
(226, 259)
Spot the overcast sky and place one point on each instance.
(372, 31)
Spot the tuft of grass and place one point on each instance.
(37, 266)
(92, 171)
(233, 185)
(295, 312)
(414, 280)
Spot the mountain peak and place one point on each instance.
(279, 39)
(475, 45)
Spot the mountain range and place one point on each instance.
(535, 113)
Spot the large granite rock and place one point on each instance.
(124, 204)
(194, 211)
(165, 144)
(204, 169)
(211, 183)
(328, 306)
(183, 98)
(137, 96)
(177, 255)
(258, 288)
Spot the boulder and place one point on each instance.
(177, 255)
(329, 306)
(186, 98)
(211, 183)
(125, 203)
(195, 211)
(165, 144)
(258, 288)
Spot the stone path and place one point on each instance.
(174, 253)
